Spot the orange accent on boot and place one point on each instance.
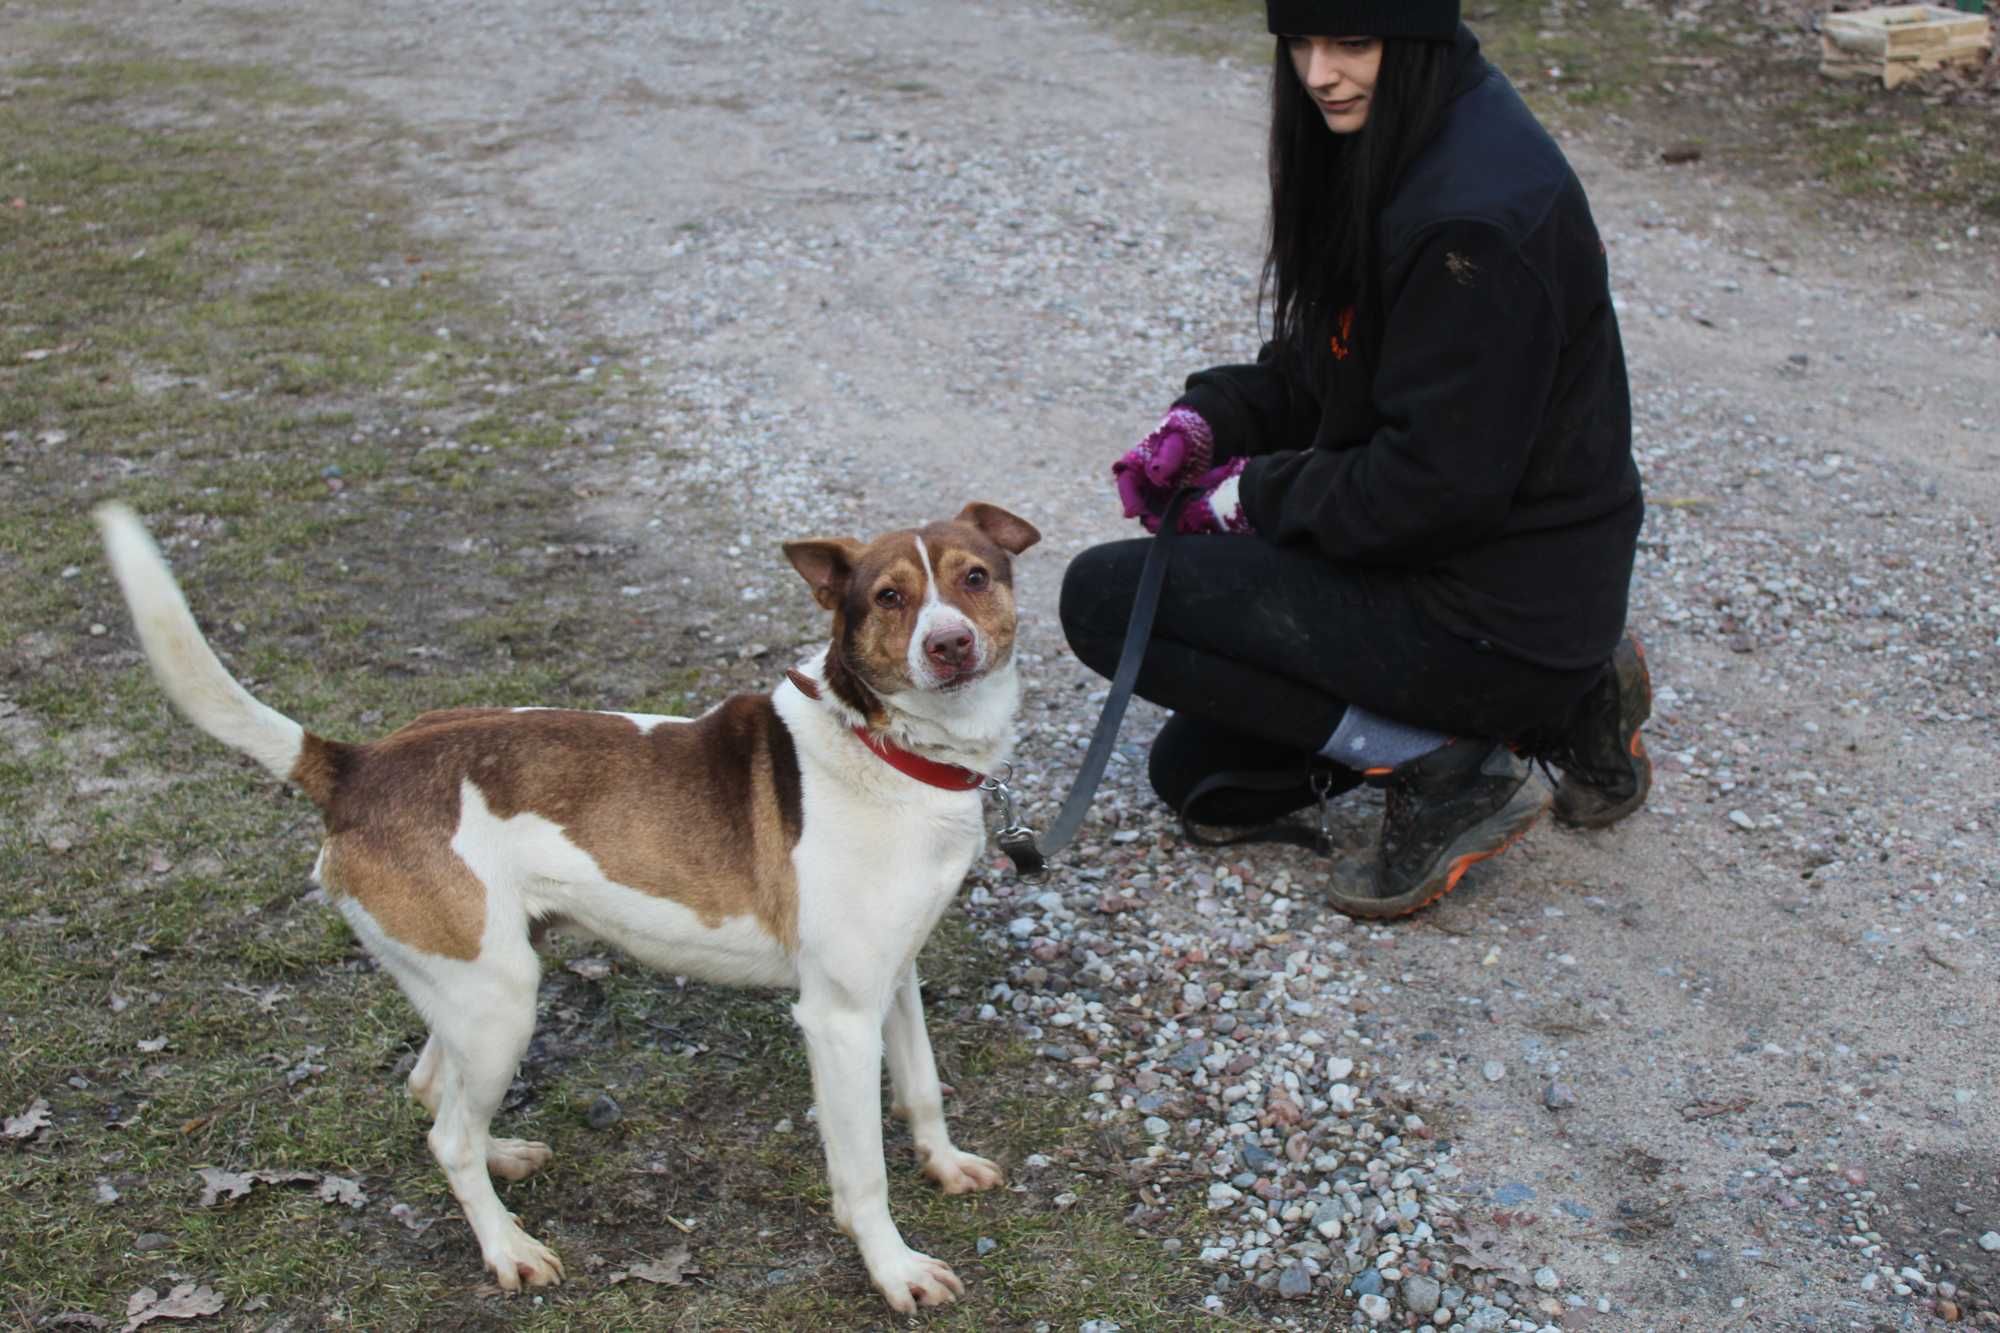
(1460, 866)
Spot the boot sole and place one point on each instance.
(1567, 814)
(1485, 840)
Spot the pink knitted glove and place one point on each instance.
(1217, 507)
(1179, 449)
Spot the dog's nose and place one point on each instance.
(949, 647)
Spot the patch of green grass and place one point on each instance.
(363, 480)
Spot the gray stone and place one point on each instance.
(1295, 1283)
(1421, 1293)
(604, 1112)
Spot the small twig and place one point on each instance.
(1941, 961)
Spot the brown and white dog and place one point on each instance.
(808, 838)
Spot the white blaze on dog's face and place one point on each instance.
(929, 610)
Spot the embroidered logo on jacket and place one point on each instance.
(1342, 341)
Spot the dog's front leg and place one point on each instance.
(844, 1047)
(913, 1074)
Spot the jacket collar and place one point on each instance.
(1468, 66)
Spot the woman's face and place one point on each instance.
(1338, 73)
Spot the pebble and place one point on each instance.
(604, 1112)
(1494, 1071)
(1546, 1279)
(1375, 1308)
(1559, 1097)
(1421, 1294)
(1295, 1283)
(1990, 1242)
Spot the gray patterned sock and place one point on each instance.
(1366, 741)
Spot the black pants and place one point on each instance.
(1259, 649)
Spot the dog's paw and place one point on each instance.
(522, 1261)
(516, 1159)
(915, 1279)
(960, 1172)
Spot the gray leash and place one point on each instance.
(1030, 853)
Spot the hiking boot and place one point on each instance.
(1455, 806)
(1605, 769)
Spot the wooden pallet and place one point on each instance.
(1898, 43)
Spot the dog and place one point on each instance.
(807, 838)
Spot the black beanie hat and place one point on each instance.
(1433, 19)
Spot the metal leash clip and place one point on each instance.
(1322, 785)
(1015, 838)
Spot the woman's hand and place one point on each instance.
(1215, 506)
(1178, 450)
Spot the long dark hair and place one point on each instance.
(1328, 191)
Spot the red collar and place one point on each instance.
(950, 777)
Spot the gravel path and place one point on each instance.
(1731, 1065)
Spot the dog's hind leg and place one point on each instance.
(913, 1075)
(509, 1159)
(482, 1015)
(424, 1078)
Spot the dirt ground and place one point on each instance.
(1773, 990)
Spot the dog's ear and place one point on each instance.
(826, 564)
(1012, 535)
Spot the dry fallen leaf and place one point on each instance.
(29, 1123)
(407, 1215)
(187, 1301)
(339, 1189)
(219, 1186)
(671, 1271)
(299, 1073)
(593, 968)
(267, 999)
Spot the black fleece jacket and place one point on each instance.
(1486, 445)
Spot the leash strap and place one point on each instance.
(1296, 835)
(1029, 853)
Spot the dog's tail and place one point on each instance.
(188, 670)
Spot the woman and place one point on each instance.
(1415, 515)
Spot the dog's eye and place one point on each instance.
(888, 599)
(976, 578)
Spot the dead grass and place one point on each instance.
(363, 476)
(1737, 82)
